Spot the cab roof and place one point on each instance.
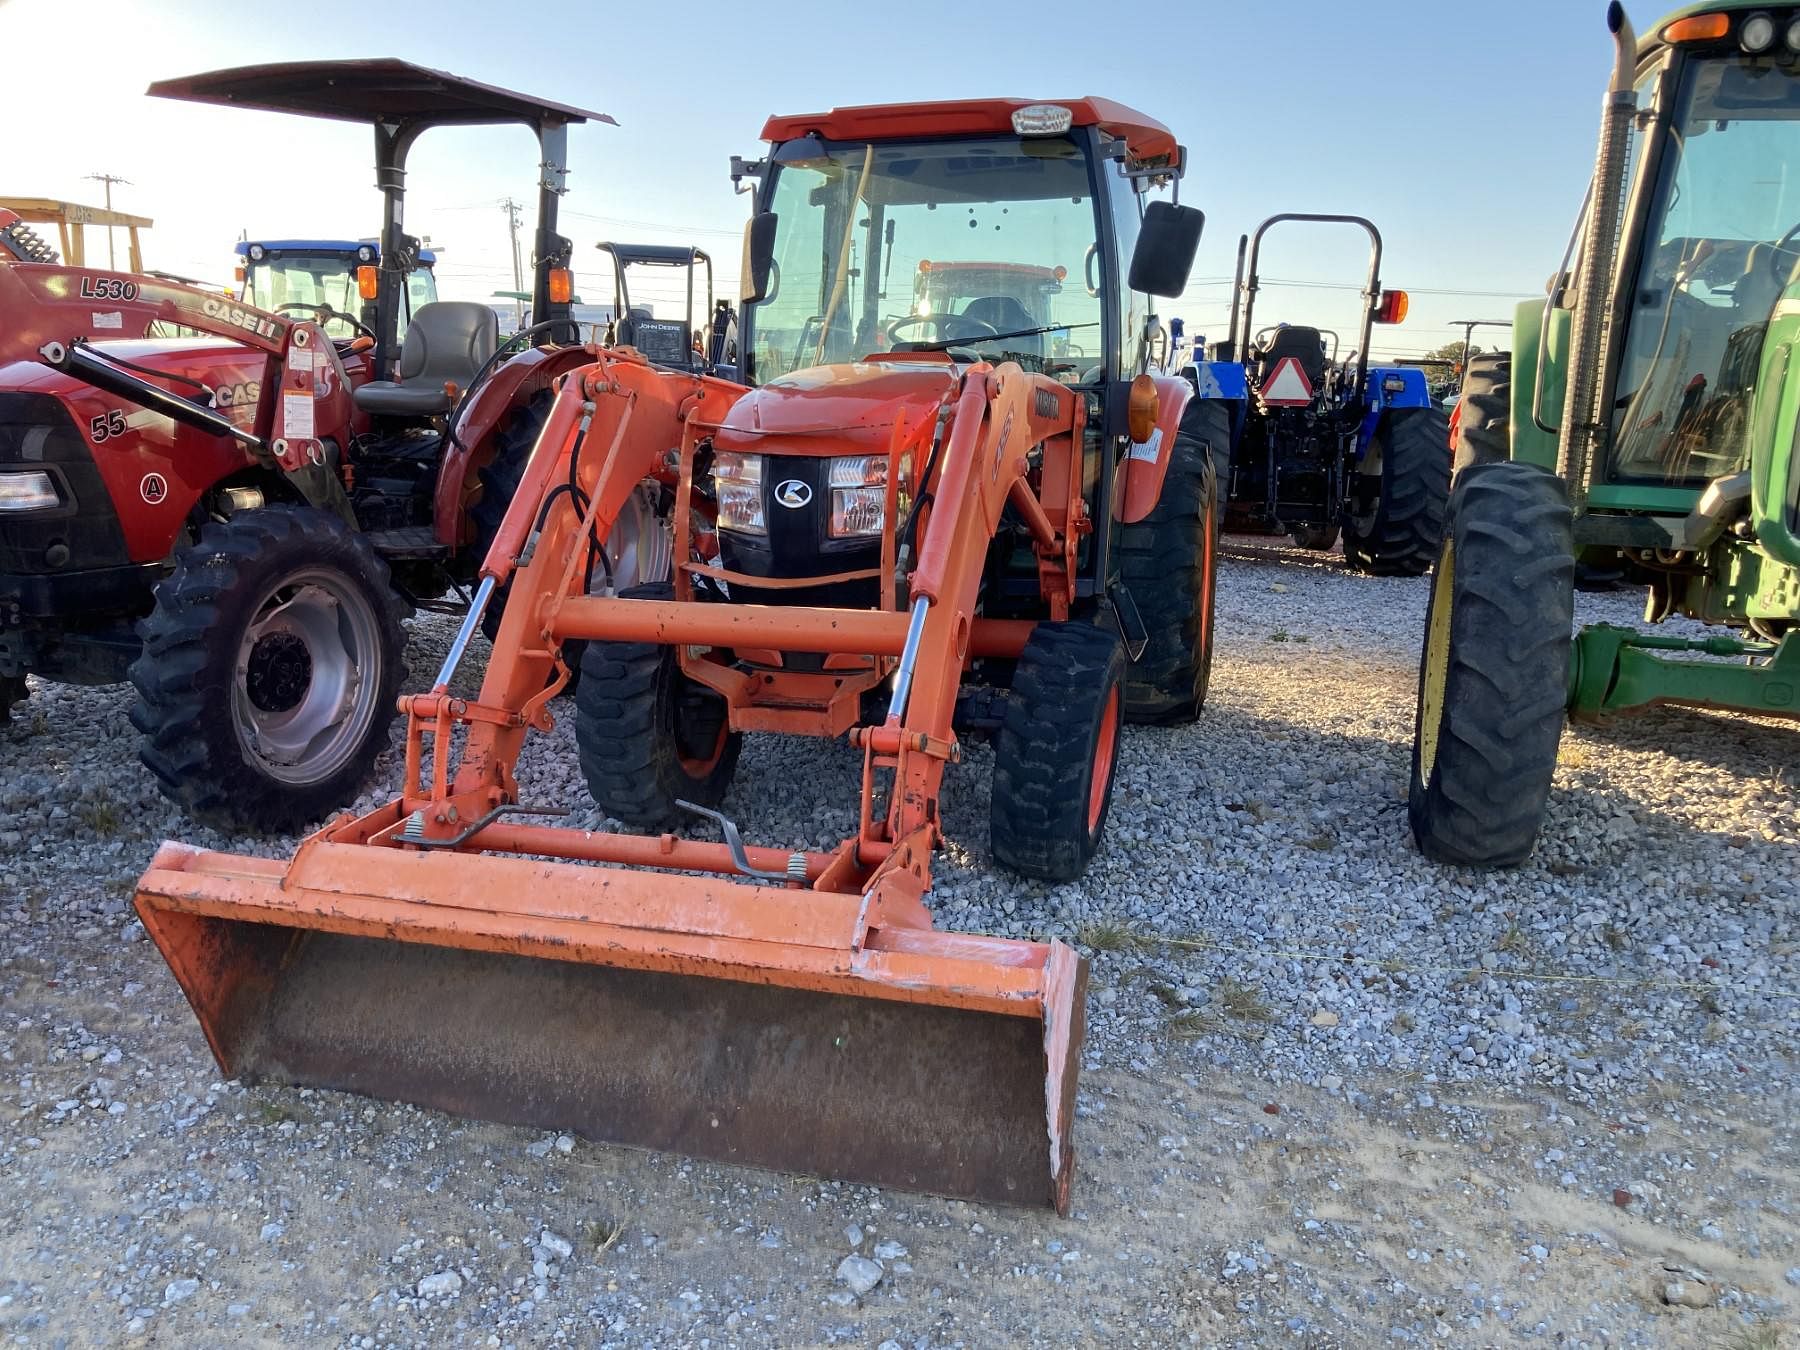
(381, 89)
(242, 247)
(1145, 138)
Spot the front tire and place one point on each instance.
(1484, 416)
(1493, 673)
(647, 735)
(1169, 563)
(1057, 751)
(1395, 519)
(270, 669)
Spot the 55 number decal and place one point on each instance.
(107, 425)
(108, 288)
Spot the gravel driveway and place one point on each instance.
(1332, 1095)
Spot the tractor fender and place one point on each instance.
(1387, 387)
(471, 445)
(1147, 463)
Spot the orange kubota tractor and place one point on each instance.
(897, 535)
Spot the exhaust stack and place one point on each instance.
(1597, 263)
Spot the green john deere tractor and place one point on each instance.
(1649, 420)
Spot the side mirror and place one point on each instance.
(759, 257)
(1165, 248)
(1392, 307)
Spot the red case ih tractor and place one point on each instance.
(233, 510)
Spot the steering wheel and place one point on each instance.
(1783, 245)
(939, 323)
(322, 314)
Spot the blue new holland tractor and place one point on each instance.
(1321, 444)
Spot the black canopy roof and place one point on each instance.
(664, 255)
(378, 90)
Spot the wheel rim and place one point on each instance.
(1434, 670)
(1104, 744)
(697, 752)
(639, 546)
(307, 678)
(1365, 490)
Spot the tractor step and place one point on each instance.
(413, 543)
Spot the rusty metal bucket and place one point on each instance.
(747, 1024)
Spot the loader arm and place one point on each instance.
(56, 303)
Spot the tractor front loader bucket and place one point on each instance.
(729, 1021)
(788, 1010)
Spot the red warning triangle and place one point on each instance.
(1287, 386)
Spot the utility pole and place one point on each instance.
(109, 179)
(512, 210)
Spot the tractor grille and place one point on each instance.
(799, 543)
(36, 432)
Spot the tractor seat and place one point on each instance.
(1303, 344)
(1005, 314)
(447, 342)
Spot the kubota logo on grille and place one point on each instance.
(792, 493)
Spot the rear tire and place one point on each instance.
(1493, 673)
(500, 481)
(1057, 752)
(647, 735)
(270, 669)
(1484, 417)
(13, 691)
(1395, 519)
(1169, 563)
(1319, 538)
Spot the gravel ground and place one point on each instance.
(1332, 1095)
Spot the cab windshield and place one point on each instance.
(1721, 251)
(865, 230)
(326, 279)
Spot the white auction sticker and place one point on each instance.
(113, 320)
(297, 414)
(302, 359)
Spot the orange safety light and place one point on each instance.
(368, 281)
(1697, 28)
(1141, 407)
(562, 285)
(924, 264)
(1392, 307)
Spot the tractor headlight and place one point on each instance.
(1757, 33)
(858, 495)
(1793, 36)
(738, 483)
(32, 491)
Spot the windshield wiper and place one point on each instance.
(947, 343)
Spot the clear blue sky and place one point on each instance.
(1466, 132)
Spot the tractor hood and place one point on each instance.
(858, 401)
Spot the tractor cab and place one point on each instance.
(1009, 295)
(328, 275)
(894, 249)
(959, 241)
(699, 340)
